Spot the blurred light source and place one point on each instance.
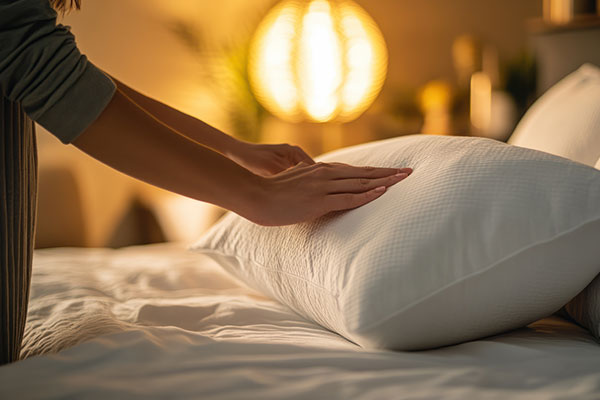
(466, 55)
(435, 100)
(317, 60)
(558, 11)
(493, 112)
(481, 101)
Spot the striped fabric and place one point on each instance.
(18, 180)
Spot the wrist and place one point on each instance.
(235, 148)
(255, 198)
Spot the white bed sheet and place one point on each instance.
(160, 322)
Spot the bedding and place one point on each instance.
(565, 121)
(160, 322)
(483, 237)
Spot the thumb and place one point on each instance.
(298, 155)
(300, 165)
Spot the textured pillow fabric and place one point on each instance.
(565, 121)
(482, 237)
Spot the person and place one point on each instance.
(44, 78)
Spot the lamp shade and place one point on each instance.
(317, 60)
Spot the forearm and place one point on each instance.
(130, 140)
(185, 124)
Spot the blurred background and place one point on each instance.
(461, 67)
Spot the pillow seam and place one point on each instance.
(473, 274)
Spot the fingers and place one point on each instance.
(293, 154)
(301, 156)
(360, 185)
(344, 171)
(297, 169)
(356, 191)
(347, 201)
(343, 178)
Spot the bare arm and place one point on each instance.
(185, 124)
(263, 159)
(129, 139)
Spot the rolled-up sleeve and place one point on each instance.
(42, 69)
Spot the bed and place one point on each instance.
(159, 321)
(162, 321)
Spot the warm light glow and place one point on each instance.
(559, 11)
(481, 101)
(436, 95)
(319, 60)
(436, 102)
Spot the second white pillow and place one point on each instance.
(565, 121)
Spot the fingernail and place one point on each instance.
(405, 170)
(380, 189)
(401, 176)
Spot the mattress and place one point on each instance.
(161, 322)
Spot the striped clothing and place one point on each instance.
(44, 78)
(18, 173)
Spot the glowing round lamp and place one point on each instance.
(317, 60)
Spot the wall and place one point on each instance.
(420, 33)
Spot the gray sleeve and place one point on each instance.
(41, 68)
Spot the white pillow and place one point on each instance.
(566, 120)
(481, 238)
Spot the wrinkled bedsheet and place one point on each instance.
(162, 322)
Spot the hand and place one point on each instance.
(306, 192)
(268, 159)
